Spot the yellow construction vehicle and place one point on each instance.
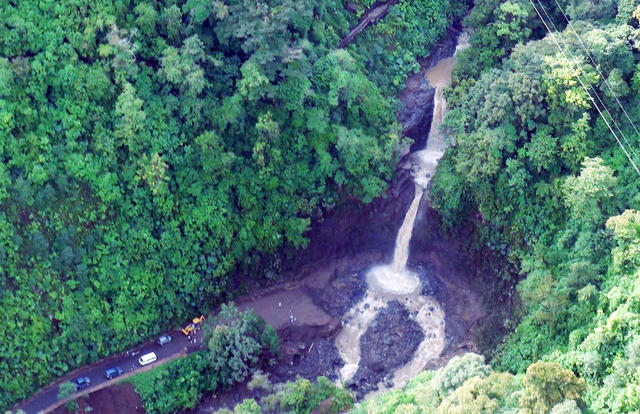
(194, 326)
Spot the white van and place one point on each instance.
(148, 358)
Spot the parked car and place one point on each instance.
(82, 383)
(113, 372)
(148, 358)
(164, 339)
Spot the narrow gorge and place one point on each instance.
(395, 281)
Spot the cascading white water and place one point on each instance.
(426, 160)
(401, 253)
(439, 77)
(395, 281)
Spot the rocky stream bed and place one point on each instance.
(336, 282)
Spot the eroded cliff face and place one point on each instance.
(416, 99)
(416, 111)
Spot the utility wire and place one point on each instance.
(595, 65)
(591, 86)
(586, 90)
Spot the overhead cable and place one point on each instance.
(635, 167)
(595, 65)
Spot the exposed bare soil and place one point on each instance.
(119, 399)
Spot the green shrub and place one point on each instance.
(249, 406)
(175, 386)
(259, 380)
(303, 396)
(547, 384)
(566, 407)
(238, 342)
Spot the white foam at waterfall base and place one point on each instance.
(386, 279)
(424, 310)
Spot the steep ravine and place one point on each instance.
(398, 334)
(329, 277)
(397, 285)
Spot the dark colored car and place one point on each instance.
(164, 339)
(113, 372)
(82, 383)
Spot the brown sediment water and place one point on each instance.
(401, 253)
(439, 77)
(394, 281)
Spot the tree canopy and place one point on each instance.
(151, 149)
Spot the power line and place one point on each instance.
(591, 86)
(587, 91)
(595, 65)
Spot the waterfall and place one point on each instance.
(401, 253)
(395, 278)
(427, 159)
(427, 162)
(436, 137)
(394, 281)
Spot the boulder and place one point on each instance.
(416, 111)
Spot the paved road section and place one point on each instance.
(285, 306)
(47, 399)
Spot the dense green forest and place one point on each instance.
(153, 149)
(539, 176)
